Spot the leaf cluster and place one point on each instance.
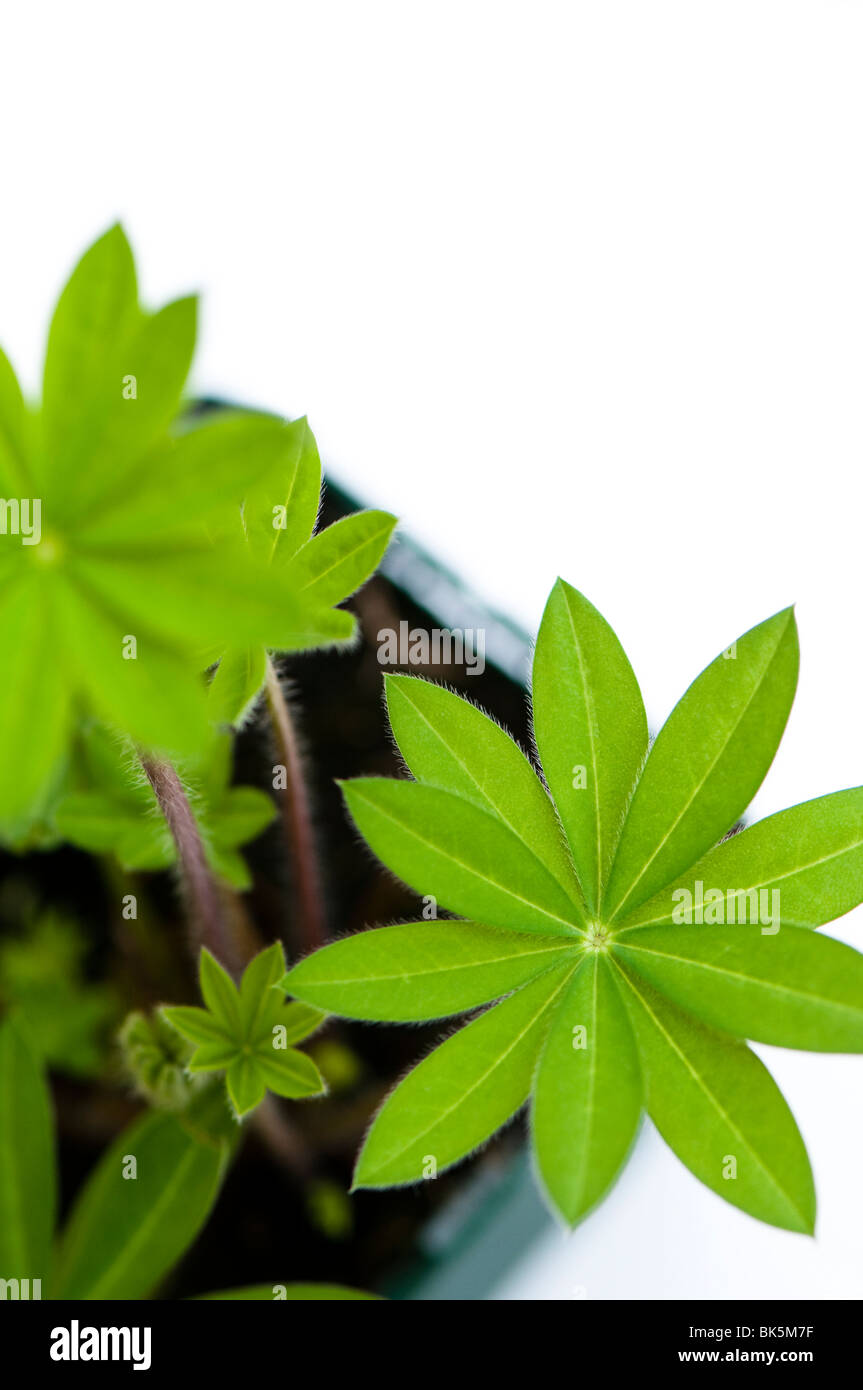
(569, 889)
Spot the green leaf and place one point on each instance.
(269, 1293)
(281, 506)
(298, 1020)
(140, 402)
(587, 1094)
(15, 480)
(259, 1000)
(151, 698)
(28, 1181)
(716, 1105)
(334, 564)
(212, 1056)
(90, 820)
(241, 815)
(811, 856)
(246, 1084)
(593, 741)
(236, 685)
(478, 834)
(220, 993)
(792, 989)
(198, 1025)
(84, 369)
(465, 1090)
(32, 697)
(288, 1073)
(196, 476)
(444, 845)
(124, 1234)
(450, 743)
(211, 591)
(421, 970)
(708, 761)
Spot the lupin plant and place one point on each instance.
(615, 935)
(634, 944)
(154, 562)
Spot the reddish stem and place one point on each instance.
(205, 904)
(297, 820)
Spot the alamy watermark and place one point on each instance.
(716, 907)
(21, 516)
(439, 646)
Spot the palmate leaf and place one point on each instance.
(247, 1032)
(613, 1000)
(142, 576)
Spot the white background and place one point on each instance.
(572, 287)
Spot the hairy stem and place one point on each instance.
(211, 928)
(297, 820)
(205, 904)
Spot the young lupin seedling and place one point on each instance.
(248, 1033)
(633, 947)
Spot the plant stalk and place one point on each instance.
(211, 928)
(297, 820)
(205, 904)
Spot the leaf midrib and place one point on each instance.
(418, 1135)
(444, 969)
(757, 981)
(714, 1101)
(798, 870)
(499, 810)
(590, 712)
(572, 927)
(706, 777)
(150, 1220)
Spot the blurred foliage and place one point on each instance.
(42, 978)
